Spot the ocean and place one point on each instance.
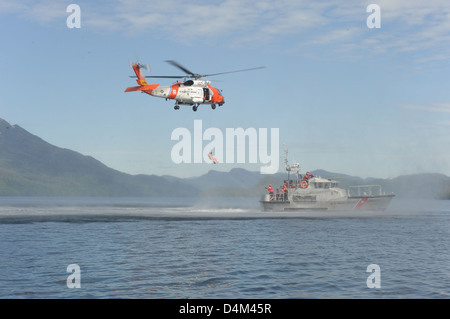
(219, 248)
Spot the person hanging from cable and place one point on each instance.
(213, 159)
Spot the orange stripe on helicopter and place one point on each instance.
(174, 90)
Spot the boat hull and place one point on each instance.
(372, 203)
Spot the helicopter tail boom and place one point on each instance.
(140, 77)
(141, 80)
(145, 88)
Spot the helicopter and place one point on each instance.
(190, 91)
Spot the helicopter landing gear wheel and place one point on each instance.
(213, 106)
(195, 107)
(176, 107)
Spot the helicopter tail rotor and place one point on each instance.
(137, 67)
(139, 64)
(144, 66)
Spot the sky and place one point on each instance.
(347, 98)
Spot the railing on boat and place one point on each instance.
(365, 190)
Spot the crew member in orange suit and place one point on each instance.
(285, 191)
(270, 189)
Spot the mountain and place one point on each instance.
(429, 185)
(424, 186)
(29, 166)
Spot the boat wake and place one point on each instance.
(27, 212)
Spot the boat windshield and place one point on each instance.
(324, 185)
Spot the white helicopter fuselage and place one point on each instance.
(189, 92)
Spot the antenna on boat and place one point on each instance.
(294, 168)
(288, 168)
(285, 156)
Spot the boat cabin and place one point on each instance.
(318, 182)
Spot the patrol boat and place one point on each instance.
(309, 192)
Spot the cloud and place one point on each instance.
(435, 107)
(12, 6)
(44, 11)
(188, 19)
(412, 26)
(238, 21)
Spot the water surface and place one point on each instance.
(221, 248)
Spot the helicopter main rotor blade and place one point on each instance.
(178, 65)
(197, 76)
(163, 76)
(243, 70)
(167, 76)
(191, 74)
